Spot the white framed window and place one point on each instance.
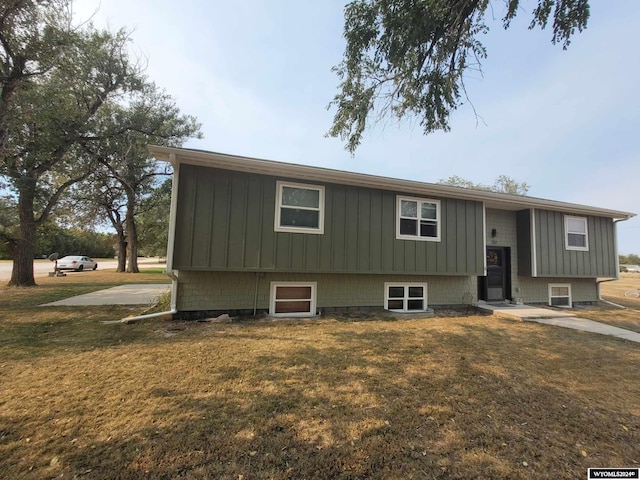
(299, 208)
(292, 299)
(576, 236)
(560, 295)
(418, 219)
(405, 297)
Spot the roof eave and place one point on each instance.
(306, 172)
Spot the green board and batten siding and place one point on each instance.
(225, 221)
(552, 257)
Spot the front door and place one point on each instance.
(496, 286)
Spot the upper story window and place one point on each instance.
(576, 233)
(299, 208)
(418, 219)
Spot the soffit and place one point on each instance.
(325, 175)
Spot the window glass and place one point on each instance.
(415, 292)
(429, 210)
(576, 240)
(408, 227)
(428, 229)
(294, 217)
(559, 291)
(560, 301)
(409, 208)
(396, 292)
(395, 305)
(293, 293)
(415, 305)
(300, 197)
(576, 225)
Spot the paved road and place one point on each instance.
(41, 268)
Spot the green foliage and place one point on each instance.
(8, 224)
(153, 222)
(73, 241)
(631, 259)
(502, 184)
(410, 57)
(73, 102)
(52, 238)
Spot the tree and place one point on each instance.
(53, 116)
(502, 184)
(33, 35)
(631, 259)
(410, 57)
(127, 177)
(153, 220)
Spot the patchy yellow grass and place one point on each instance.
(344, 398)
(628, 318)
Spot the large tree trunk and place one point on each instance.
(122, 250)
(22, 273)
(132, 235)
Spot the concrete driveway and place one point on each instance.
(133, 294)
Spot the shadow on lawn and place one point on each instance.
(375, 404)
(74, 329)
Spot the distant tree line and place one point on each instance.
(631, 259)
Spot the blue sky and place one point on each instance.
(257, 75)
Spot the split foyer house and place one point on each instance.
(251, 235)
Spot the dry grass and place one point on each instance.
(344, 398)
(628, 318)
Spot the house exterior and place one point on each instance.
(250, 235)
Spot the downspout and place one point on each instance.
(617, 277)
(170, 272)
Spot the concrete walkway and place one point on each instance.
(558, 318)
(133, 294)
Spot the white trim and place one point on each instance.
(171, 240)
(484, 239)
(567, 232)
(238, 163)
(405, 299)
(312, 300)
(419, 201)
(560, 285)
(534, 252)
(276, 222)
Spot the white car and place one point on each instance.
(77, 263)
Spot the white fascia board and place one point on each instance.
(327, 175)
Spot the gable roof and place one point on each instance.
(504, 201)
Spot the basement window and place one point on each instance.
(405, 297)
(292, 299)
(560, 295)
(299, 208)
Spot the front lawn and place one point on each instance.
(336, 398)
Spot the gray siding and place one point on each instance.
(554, 260)
(225, 222)
(523, 222)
